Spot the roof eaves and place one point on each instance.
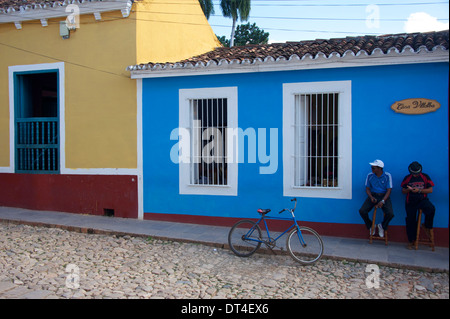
(306, 53)
(17, 11)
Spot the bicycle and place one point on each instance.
(303, 243)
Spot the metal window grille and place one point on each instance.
(208, 118)
(316, 140)
(37, 145)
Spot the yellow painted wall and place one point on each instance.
(172, 31)
(100, 97)
(8, 56)
(101, 127)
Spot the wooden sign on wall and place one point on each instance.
(415, 106)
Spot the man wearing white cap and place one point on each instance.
(378, 189)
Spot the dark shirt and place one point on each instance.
(420, 181)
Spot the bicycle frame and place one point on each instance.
(263, 218)
(303, 244)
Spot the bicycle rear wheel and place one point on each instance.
(305, 247)
(244, 238)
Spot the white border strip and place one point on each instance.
(344, 88)
(230, 93)
(140, 166)
(61, 86)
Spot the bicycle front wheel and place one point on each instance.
(244, 238)
(304, 246)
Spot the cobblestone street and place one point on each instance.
(46, 263)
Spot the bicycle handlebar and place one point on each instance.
(291, 210)
(292, 200)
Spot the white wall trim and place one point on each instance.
(345, 134)
(99, 171)
(61, 87)
(231, 94)
(140, 163)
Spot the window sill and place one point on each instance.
(220, 190)
(206, 185)
(318, 192)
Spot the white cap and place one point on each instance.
(378, 163)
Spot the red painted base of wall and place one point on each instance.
(83, 194)
(396, 233)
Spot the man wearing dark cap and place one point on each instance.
(417, 185)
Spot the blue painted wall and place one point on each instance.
(377, 132)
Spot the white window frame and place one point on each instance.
(290, 91)
(12, 70)
(185, 96)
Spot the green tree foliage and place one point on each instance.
(246, 34)
(250, 34)
(223, 39)
(235, 9)
(207, 7)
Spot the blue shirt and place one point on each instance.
(379, 184)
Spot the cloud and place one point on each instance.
(423, 22)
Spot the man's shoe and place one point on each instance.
(380, 231)
(372, 232)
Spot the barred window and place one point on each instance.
(37, 145)
(316, 140)
(208, 141)
(208, 165)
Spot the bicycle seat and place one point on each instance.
(263, 211)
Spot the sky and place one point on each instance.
(296, 20)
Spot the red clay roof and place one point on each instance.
(16, 4)
(37, 4)
(340, 47)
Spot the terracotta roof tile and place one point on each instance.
(338, 46)
(16, 4)
(36, 4)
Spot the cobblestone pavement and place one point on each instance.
(43, 263)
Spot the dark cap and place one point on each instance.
(415, 168)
